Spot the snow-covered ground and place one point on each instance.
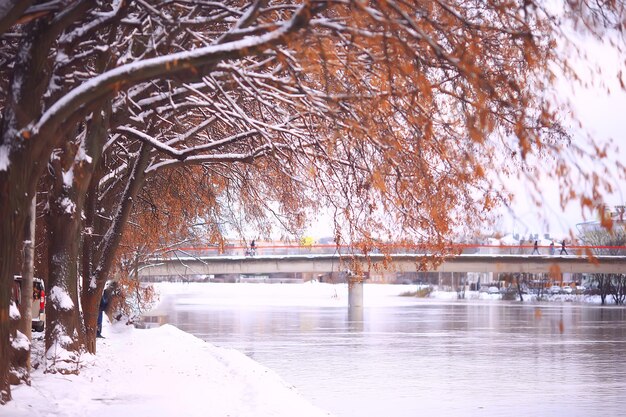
(160, 372)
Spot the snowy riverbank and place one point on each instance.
(160, 372)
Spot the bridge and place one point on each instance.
(316, 259)
(327, 263)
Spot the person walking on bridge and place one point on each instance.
(253, 248)
(563, 247)
(535, 248)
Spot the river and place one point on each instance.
(418, 357)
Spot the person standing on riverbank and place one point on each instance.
(563, 247)
(104, 303)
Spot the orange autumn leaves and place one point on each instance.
(410, 108)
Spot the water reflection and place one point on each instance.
(432, 358)
(355, 318)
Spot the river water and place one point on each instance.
(414, 357)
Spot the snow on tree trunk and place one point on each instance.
(64, 333)
(15, 184)
(20, 351)
(22, 158)
(21, 363)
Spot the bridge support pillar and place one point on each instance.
(355, 291)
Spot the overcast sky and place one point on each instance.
(601, 113)
(600, 110)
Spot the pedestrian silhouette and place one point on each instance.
(563, 248)
(535, 248)
(251, 251)
(552, 248)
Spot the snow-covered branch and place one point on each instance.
(213, 158)
(168, 65)
(100, 20)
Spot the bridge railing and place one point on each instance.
(329, 249)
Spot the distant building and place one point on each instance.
(617, 215)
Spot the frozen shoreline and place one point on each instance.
(160, 372)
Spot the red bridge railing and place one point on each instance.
(325, 249)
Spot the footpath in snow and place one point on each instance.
(156, 373)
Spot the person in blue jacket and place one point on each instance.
(104, 303)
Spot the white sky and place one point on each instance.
(599, 109)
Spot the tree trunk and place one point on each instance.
(90, 304)
(90, 178)
(64, 333)
(519, 287)
(14, 200)
(93, 284)
(25, 154)
(26, 302)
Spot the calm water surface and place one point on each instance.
(466, 358)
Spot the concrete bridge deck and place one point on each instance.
(325, 263)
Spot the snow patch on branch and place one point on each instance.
(4, 158)
(14, 312)
(68, 177)
(68, 205)
(81, 155)
(61, 299)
